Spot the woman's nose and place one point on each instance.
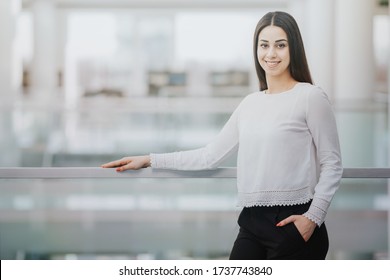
(271, 52)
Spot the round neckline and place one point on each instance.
(282, 92)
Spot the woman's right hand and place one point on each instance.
(127, 163)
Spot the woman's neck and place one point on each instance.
(279, 84)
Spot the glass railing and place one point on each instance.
(90, 213)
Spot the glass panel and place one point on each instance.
(159, 219)
(163, 218)
(358, 220)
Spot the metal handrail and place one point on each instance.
(97, 172)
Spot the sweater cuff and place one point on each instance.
(162, 161)
(317, 210)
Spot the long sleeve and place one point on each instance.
(208, 157)
(322, 125)
(288, 154)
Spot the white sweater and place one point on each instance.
(288, 150)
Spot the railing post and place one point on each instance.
(388, 181)
(388, 148)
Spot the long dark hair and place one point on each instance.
(299, 68)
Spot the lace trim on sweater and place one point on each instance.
(317, 210)
(275, 198)
(161, 161)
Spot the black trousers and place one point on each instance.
(259, 238)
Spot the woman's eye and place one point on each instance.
(263, 46)
(281, 46)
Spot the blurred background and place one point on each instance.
(83, 82)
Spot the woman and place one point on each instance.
(289, 163)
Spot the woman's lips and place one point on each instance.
(272, 64)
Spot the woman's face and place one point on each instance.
(273, 51)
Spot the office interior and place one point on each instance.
(83, 82)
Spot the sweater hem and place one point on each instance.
(273, 203)
(275, 198)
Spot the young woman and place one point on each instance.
(289, 162)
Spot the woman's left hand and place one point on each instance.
(305, 226)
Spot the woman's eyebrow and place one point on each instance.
(277, 41)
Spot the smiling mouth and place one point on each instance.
(272, 64)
